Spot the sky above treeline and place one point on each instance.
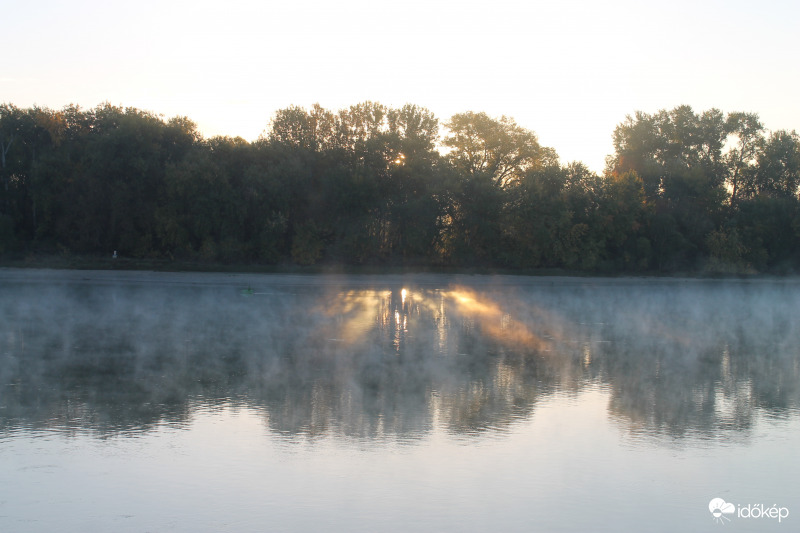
(568, 70)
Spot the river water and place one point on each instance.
(149, 402)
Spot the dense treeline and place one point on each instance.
(377, 185)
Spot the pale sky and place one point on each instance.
(568, 70)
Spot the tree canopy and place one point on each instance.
(373, 184)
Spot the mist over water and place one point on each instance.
(399, 366)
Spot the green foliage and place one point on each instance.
(670, 148)
(551, 221)
(368, 185)
(741, 159)
(690, 180)
(778, 169)
(497, 150)
(7, 240)
(727, 252)
(770, 229)
(307, 245)
(625, 214)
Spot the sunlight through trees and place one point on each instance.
(372, 184)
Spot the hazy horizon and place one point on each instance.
(568, 71)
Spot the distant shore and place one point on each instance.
(95, 263)
(91, 262)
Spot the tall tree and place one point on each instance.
(497, 150)
(778, 165)
(671, 148)
(490, 157)
(552, 221)
(678, 156)
(741, 159)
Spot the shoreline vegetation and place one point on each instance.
(373, 189)
(55, 268)
(86, 263)
(89, 262)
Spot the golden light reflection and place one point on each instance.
(356, 311)
(515, 325)
(494, 321)
(587, 355)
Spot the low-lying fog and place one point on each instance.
(380, 357)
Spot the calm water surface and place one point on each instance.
(183, 402)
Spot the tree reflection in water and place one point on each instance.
(390, 359)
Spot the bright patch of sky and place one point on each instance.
(568, 70)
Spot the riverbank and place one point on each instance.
(77, 262)
(90, 262)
